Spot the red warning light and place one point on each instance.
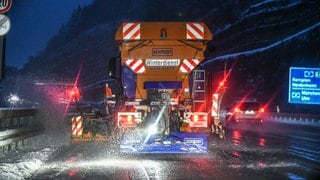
(261, 110)
(221, 83)
(73, 93)
(237, 109)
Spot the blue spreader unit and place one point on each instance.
(176, 142)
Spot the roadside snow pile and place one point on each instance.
(27, 164)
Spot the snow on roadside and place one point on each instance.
(26, 164)
(26, 160)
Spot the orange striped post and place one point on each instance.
(76, 128)
(215, 106)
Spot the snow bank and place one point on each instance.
(27, 164)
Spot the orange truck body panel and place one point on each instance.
(161, 49)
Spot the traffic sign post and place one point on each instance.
(304, 85)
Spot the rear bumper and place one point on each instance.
(249, 116)
(248, 120)
(244, 118)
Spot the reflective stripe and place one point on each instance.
(131, 31)
(195, 31)
(188, 65)
(76, 128)
(214, 109)
(136, 65)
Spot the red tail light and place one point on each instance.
(195, 118)
(126, 120)
(236, 109)
(221, 83)
(130, 119)
(73, 93)
(198, 117)
(261, 110)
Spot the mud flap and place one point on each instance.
(176, 142)
(84, 128)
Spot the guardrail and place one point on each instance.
(295, 118)
(16, 126)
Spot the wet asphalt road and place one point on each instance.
(270, 151)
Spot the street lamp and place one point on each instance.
(13, 99)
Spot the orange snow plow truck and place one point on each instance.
(167, 107)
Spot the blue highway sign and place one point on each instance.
(304, 85)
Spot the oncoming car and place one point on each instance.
(247, 111)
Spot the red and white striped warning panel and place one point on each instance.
(214, 108)
(76, 128)
(136, 65)
(188, 65)
(131, 31)
(195, 31)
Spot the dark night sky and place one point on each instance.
(33, 23)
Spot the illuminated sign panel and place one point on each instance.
(162, 62)
(304, 85)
